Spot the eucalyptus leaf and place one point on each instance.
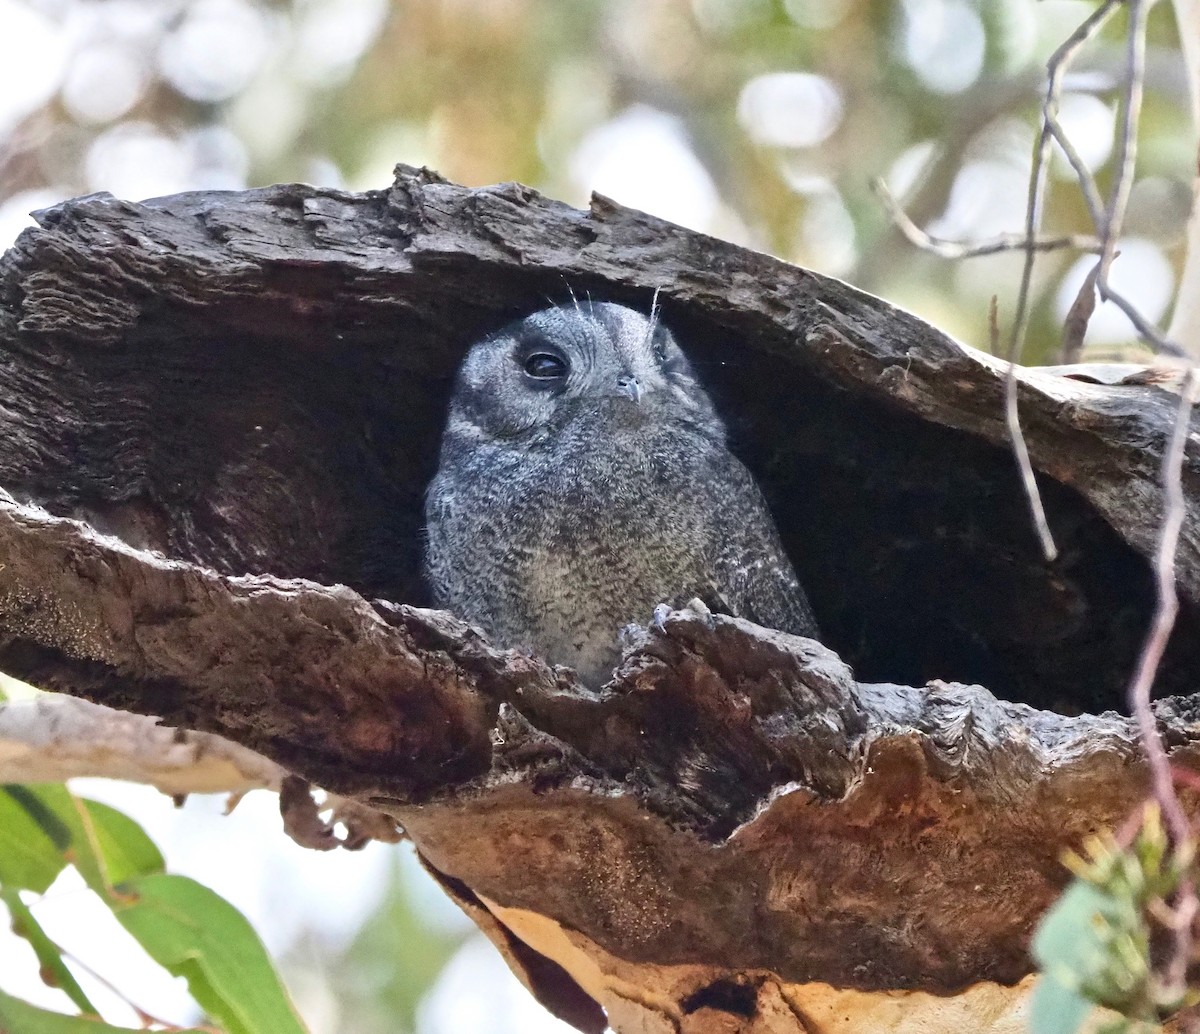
(33, 843)
(1056, 1008)
(1071, 940)
(106, 846)
(18, 1017)
(54, 970)
(123, 844)
(194, 933)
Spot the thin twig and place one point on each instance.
(1076, 321)
(146, 1019)
(1147, 331)
(1037, 511)
(962, 250)
(1056, 68)
(1122, 186)
(1127, 141)
(1174, 512)
(1107, 219)
(1161, 775)
(1087, 182)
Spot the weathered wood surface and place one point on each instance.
(252, 384)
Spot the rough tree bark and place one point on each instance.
(218, 413)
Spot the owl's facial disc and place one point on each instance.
(596, 361)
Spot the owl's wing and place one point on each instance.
(762, 587)
(753, 577)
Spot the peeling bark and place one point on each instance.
(55, 738)
(218, 413)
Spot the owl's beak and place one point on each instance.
(630, 387)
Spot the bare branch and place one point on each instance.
(1147, 331)
(1107, 219)
(1114, 216)
(1118, 200)
(1087, 182)
(1057, 68)
(1174, 511)
(1140, 688)
(52, 738)
(960, 249)
(1058, 65)
(1020, 450)
(1076, 322)
(1108, 222)
(1127, 141)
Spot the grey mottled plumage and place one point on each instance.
(584, 479)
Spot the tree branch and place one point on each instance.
(228, 406)
(54, 738)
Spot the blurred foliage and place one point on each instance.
(185, 927)
(664, 104)
(378, 980)
(1095, 946)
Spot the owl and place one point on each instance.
(584, 478)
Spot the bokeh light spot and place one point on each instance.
(721, 17)
(134, 161)
(816, 14)
(33, 54)
(643, 159)
(216, 50)
(944, 43)
(790, 109)
(332, 36)
(828, 235)
(103, 83)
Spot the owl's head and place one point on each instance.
(593, 361)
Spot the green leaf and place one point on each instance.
(1071, 940)
(106, 846)
(18, 1017)
(123, 844)
(1056, 1008)
(194, 933)
(54, 970)
(32, 842)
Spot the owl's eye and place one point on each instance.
(545, 366)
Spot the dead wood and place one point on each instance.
(218, 413)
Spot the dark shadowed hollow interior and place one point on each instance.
(254, 449)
